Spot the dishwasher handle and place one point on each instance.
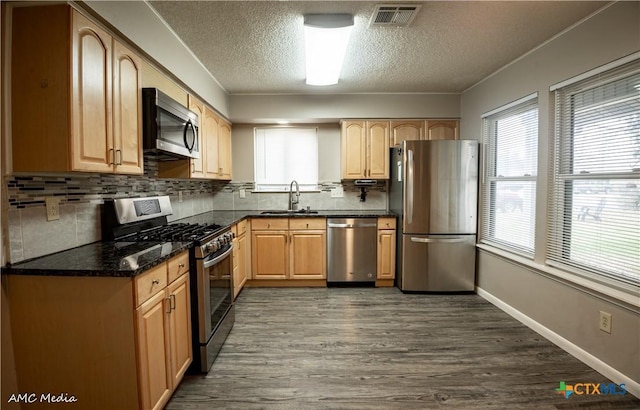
(365, 225)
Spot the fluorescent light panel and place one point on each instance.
(326, 39)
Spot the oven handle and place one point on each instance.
(217, 259)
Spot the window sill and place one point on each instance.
(626, 296)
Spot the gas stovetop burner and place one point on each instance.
(174, 232)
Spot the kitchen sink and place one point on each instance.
(286, 212)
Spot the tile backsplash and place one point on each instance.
(81, 196)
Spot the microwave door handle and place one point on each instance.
(187, 126)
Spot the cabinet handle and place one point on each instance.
(172, 301)
(307, 226)
(112, 154)
(220, 171)
(116, 156)
(155, 282)
(181, 265)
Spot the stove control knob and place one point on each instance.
(208, 248)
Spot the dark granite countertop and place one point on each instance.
(227, 218)
(108, 258)
(128, 259)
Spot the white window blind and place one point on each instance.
(594, 226)
(283, 155)
(510, 138)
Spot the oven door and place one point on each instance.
(215, 287)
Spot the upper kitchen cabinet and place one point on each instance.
(407, 131)
(76, 99)
(442, 129)
(224, 144)
(153, 78)
(365, 149)
(214, 141)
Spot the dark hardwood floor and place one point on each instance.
(365, 348)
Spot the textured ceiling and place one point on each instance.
(257, 47)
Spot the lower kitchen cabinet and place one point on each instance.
(270, 254)
(241, 255)
(308, 248)
(386, 249)
(288, 248)
(108, 342)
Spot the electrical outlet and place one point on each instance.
(179, 196)
(53, 209)
(605, 322)
(337, 192)
(243, 194)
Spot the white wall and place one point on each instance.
(566, 308)
(331, 108)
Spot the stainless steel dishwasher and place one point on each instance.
(351, 250)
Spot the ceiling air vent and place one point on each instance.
(396, 15)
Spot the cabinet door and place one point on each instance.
(154, 378)
(242, 261)
(127, 110)
(308, 255)
(91, 101)
(196, 166)
(179, 327)
(270, 254)
(224, 145)
(377, 149)
(386, 254)
(406, 131)
(353, 150)
(212, 161)
(443, 129)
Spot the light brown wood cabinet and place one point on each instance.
(288, 248)
(308, 248)
(214, 147)
(386, 248)
(84, 88)
(442, 129)
(365, 149)
(412, 130)
(131, 337)
(241, 256)
(430, 129)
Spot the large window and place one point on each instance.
(283, 155)
(595, 203)
(510, 137)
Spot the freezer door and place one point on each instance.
(441, 187)
(438, 263)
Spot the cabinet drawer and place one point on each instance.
(386, 223)
(307, 223)
(270, 224)
(242, 227)
(178, 265)
(149, 283)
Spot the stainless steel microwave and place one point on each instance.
(170, 131)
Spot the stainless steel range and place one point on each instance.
(211, 274)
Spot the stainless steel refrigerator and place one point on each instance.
(434, 190)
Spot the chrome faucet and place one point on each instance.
(293, 203)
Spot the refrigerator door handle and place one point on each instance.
(409, 186)
(440, 240)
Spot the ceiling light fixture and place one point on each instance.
(326, 37)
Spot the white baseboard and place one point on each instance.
(587, 358)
